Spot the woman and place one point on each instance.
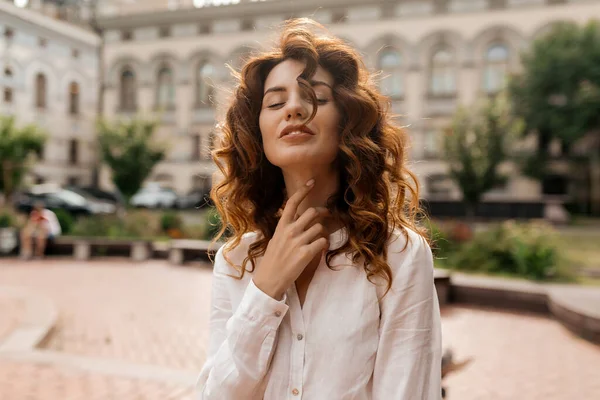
(325, 289)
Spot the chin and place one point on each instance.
(295, 156)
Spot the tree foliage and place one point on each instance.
(558, 92)
(475, 145)
(127, 148)
(17, 145)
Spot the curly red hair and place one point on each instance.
(377, 194)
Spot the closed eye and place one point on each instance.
(276, 105)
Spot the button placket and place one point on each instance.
(298, 345)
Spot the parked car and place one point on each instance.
(153, 196)
(196, 198)
(98, 205)
(114, 197)
(60, 199)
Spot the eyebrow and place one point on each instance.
(283, 89)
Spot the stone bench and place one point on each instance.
(182, 250)
(84, 248)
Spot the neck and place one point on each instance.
(326, 185)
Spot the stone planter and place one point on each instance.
(8, 240)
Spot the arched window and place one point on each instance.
(443, 72)
(204, 84)
(165, 90)
(40, 90)
(496, 68)
(390, 63)
(128, 90)
(74, 98)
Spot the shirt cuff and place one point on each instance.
(256, 305)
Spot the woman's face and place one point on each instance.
(287, 141)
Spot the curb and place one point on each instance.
(34, 325)
(576, 308)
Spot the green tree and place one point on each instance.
(17, 145)
(558, 93)
(476, 144)
(128, 149)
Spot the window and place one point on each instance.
(8, 92)
(431, 143)
(496, 68)
(204, 89)
(338, 17)
(126, 36)
(390, 63)
(164, 31)
(9, 33)
(196, 143)
(443, 73)
(40, 90)
(128, 91)
(247, 25)
(439, 185)
(165, 91)
(74, 98)
(203, 29)
(73, 151)
(8, 95)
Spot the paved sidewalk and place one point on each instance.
(10, 310)
(139, 331)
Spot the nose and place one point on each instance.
(296, 109)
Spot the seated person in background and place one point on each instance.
(42, 225)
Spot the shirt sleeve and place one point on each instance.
(408, 361)
(242, 341)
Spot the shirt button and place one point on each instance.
(295, 392)
(278, 313)
(300, 337)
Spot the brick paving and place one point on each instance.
(22, 381)
(155, 314)
(518, 356)
(149, 314)
(10, 309)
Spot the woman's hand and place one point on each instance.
(293, 245)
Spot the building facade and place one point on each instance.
(49, 76)
(170, 56)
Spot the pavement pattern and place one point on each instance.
(139, 331)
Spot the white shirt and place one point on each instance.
(53, 224)
(341, 345)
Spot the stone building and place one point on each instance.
(170, 55)
(49, 76)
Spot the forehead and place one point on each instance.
(286, 72)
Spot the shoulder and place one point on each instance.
(409, 255)
(228, 257)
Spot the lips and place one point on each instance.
(295, 128)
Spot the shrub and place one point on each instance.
(66, 221)
(213, 225)
(526, 250)
(6, 220)
(170, 220)
(441, 243)
(135, 224)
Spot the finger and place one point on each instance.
(314, 232)
(317, 246)
(310, 216)
(294, 201)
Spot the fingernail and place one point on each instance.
(310, 183)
